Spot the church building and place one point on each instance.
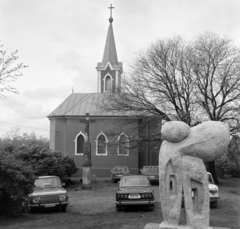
(112, 135)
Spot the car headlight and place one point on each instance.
(62, 197)
(36, 200)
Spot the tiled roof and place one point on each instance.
(78, 104)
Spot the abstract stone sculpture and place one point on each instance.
(182, 172)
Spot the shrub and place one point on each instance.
(47, 162)
(16, 182)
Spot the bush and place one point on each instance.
(47, 162)
(16, 182)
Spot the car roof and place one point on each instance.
(119, 166)
(150, 166)
(40, 177)
(134, 176)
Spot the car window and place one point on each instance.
(134, 181)
(120, 169)
(210, 179)
(150, 169)
(48, 182)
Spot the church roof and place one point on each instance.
(78, 104)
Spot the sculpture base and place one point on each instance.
(157, 226)
(87, 178)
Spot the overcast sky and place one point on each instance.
(62, 40)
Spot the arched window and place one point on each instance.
(108, 84)
(123, 145)
(101, 144)
(79, 143)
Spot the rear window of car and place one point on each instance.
(120, 169)
(134, 181)
(150, 169)
(48, 182)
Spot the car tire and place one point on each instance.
(118, 208)
(31, 210)
(151, 207)
(214, 204)
(64, 208)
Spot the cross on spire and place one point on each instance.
(111, 19)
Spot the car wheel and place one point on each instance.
(214, 204)
(151, 207)
(118, 208)
(31, 210)
(64, 208)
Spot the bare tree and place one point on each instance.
(160, 83)
(9, 70)
(216, 64)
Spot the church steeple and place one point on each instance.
(109, 70)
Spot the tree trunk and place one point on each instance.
(211, 168)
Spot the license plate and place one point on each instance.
(49, 205)
(134, 196)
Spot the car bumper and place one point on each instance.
(213, 199)
(140, 202)
(154, 179)
(50, 205)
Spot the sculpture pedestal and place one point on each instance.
(157, 226)
(87, 178)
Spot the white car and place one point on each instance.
(213, 192)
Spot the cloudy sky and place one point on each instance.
(62, 40)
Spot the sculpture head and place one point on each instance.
(175, 131)
(207, 141)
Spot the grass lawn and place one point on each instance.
(96, 210)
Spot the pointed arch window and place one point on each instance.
(108, 83)
(79, 143)
(123, 145)
(101, 145)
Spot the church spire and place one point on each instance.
(109, 70)
(110, 52)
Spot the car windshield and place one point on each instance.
(120, 169)
(210, 179)
(48, 182)
(150, 169)
(134, 181)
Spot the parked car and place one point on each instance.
(213, 192)
(152, 172)
(135, 190)
(48, 193)
(118, 171)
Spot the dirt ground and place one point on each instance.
(96, 210)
